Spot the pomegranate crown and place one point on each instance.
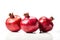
(11, 15)
(26, 15)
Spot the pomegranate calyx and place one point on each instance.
(11, 15)
(26, 15)
(51, 18)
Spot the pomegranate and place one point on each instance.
(13, 23)
(29, 24)
(46, 24)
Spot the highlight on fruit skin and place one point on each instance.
(29, 24)
(13, 22)
(45, 24)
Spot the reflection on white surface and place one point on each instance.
(29, 36)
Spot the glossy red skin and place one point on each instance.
(45, 24)
(29, 25)
(13, 24)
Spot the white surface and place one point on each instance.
(36, 8)
(19, 36)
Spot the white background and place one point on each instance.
(35, 8)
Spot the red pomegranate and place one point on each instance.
(29, 24)
(13, 22)
(46, 24)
